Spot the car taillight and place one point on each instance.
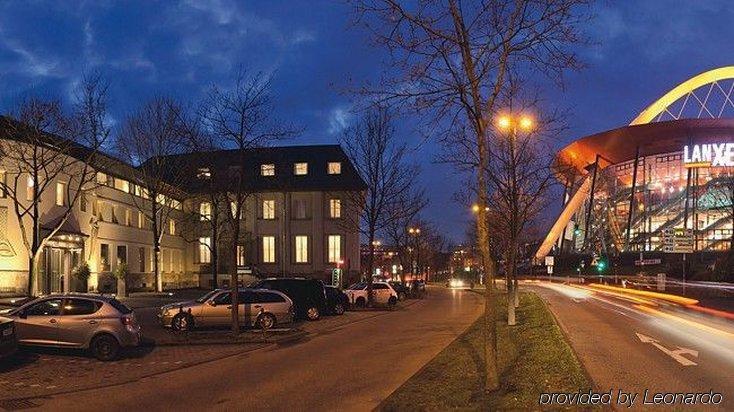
(127, 320)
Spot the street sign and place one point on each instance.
(336, 277)
(549, 260)
(647, 262)
(678, 240)
(550, 269)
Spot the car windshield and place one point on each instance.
(358, 286)
(206, 296)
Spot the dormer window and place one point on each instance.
(300, 169)
(334, 168)
(267, 169)
(203, 173)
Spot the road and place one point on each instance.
(638, 342)
(353, 367)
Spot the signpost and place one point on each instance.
(549, 261)
(678, 240)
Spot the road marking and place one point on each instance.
(675, 354)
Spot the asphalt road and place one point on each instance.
(637, 344)
(352, 367)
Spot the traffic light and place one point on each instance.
(601, 265)
(576, 230)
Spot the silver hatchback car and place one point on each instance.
(260, 308)
(101, 324)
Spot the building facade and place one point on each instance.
(294, 222)
(664, 184)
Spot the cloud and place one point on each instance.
(339, 119)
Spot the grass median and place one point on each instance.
(533, 358)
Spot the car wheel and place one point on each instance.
(361, 302)
(182, 322)
(339, 309)
(265, 321)
(392, 301)
(105, 347)
(313, 313)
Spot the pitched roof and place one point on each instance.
(225, 163)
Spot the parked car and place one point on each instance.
(257, 308)
(8, 339)
(100, 324)
(308, 295)
(417, 286)
(400, 288)
(383, 294)
(337, 301)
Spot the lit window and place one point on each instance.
(128, 218)
(203, 173)
(233, 209)
(121, 184)
(60, 194)
(268, 249)
(29, 189)
(268, 209)
(104, 257)
(267, 169)
(300, 169)
(172, 227)
(205, 254)
(334, 168)
(141, 220)
(3, 193)
(335, 208)
(334, 248)
(205, 211)
(101, 178)
(241, 256)
(301, 249)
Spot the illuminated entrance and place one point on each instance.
(61, 255)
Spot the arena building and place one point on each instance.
(663, 185)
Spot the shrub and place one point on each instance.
(82, 271)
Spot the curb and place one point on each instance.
(297, 336)
(565, 334)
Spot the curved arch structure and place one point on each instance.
(682, 90)
(648, 132)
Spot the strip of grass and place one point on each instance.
(533, 358)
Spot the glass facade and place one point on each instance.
(666, 196)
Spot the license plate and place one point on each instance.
(8, 332)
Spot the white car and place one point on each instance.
(382, 294)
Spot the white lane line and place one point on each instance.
(675, 354)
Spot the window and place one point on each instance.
(60, 194)
(29, 189)
(301, 249)
(50, 307)
(300, 209)
(104, 257)
(205, 211)
(224, 298)
(268, 297)
(233, 209)
(379, 286)
(128, 218)
(141, 220)
(241, 256)
(268, 249)
(141, 259)
(268, 209)
(205, 254)
(334, 248)
(334, 168)
(76, 307)
(101, 178)
(2, 184)
(114, 211)
(267, 169)
(335, 208)
(122, 254)
(300, 169)
(171, 227)
(122, 184)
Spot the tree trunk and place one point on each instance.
(510, 267)
(234, 276)
(370, 266)
(214, 247)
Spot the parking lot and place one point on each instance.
(44, 372)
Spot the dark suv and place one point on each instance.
(308, 295)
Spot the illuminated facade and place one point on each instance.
(671, 168)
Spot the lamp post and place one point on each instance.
(414, 232)
(511, 124)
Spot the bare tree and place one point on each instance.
(148, 139)
(451, 61)
(407, 207)
(242, 118)
(49, 154)
(372, 147)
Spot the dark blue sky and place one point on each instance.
(641, 49)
